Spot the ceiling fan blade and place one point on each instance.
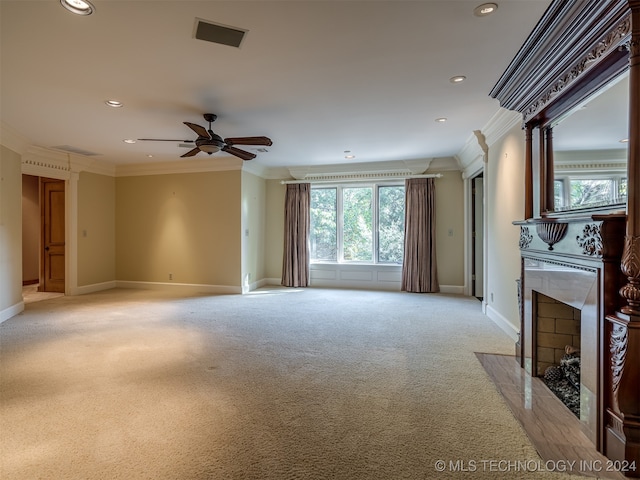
(191, 153)
(244, 155)
(201, 131)
(248, 141)
(163, 140)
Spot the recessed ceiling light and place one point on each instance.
(458, 79)
(79, 7)
(441, 120)
(349, 157)
(150, 156)
(129, 140)
(624, 140)
(485, 9)
(114, 103)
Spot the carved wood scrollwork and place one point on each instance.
(618, 350)
(525, 238)
(611, 41)
(591, 240)
(630, 266)
(551, 233)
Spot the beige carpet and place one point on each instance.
(278, 384)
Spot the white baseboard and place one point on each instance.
(188, 288)
(96, 287)
(505, 325)
(11, 311)
(255, 285)
(453, 289)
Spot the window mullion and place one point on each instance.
(375, 221)
(340, 223)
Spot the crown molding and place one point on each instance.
(43, 162)
(500, 124)
(220, 164)
(353, 170)
(471, 155)
(12, 139)
(254, 168)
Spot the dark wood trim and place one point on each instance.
(528, 173)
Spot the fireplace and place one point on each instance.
(568, 294)
(557, 327)
(562, 289)
(557, 333)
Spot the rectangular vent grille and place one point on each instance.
(210, 32)
(79, 151)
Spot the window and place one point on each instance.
(357, 223)
(583, 192)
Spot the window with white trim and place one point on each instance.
(357, 223)
(573, 192)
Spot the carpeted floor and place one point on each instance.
(277, 384)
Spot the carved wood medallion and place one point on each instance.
(591, 240)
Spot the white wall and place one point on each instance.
(253, 222)
(30, 229)
(504, 179)
(10, 234)
(96, 231)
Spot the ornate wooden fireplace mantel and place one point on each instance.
(584, 254)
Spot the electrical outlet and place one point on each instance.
(171, 276)
(492, 296)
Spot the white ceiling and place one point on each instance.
(317, 77)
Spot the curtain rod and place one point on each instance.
(374, 179)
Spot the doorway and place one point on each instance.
(477, 237)
(43, 233)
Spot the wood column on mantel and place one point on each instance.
(628, 391)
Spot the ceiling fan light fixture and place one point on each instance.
(485, 9)
(209, 148)
(78, 7)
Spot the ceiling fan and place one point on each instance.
(209, 142)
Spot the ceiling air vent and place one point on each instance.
(211, 32)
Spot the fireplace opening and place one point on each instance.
(558, 349)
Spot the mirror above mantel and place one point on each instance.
(590, 151)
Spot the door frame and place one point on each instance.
(476, 234)
(43, 163)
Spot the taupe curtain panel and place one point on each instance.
(297, 207)
(419, 273)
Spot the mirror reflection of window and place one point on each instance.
(590, 151)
